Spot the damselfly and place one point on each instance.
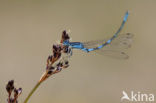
(114, 46)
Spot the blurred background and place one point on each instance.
(28, 29)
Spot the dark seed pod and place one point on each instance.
(51, 68)
(10, 86)
(50, 57)
(58, 69)
(65, 36)
(50, 72)
(19, 91)
(64, 32)
(54, 47)
(55, 55)
(60, 64)
(66, 62)
(57, 49)
(15, 93)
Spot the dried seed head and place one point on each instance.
(60, 64)
(66, 62)
(15, 93)
(50, 72)
(54, 48)
(49, 58)
(57, 49)
(10, 86)
(56, 54)
(19, 91)
(51, 68)
(65, 36)
(49, 61)
(58, 69)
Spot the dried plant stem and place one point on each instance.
(32, 91)
(9, 98)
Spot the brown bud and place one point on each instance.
(10, 86)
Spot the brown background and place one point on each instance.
(29, 28)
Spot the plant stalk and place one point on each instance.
(32, 91)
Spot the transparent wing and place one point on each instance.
(93, 44)
(122, 42)
(113, 54)
(115, 49)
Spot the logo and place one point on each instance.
(137, 96)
